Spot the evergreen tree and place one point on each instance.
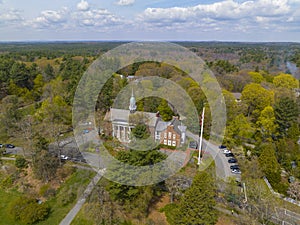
(269, 165)
(165, 111)
(286, 112)
(198, 204)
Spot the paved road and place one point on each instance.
(72, 214)
(14, 151)
(8, 158)
(222, 166)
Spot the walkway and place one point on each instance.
(72, 214)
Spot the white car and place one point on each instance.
(64, 157)
(236, 171)
(226, 151)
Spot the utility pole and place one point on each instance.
(201, 137)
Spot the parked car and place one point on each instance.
(9, 146)
(86, 131)
(229, 155)
(236, 171)
(232, 160)
(193, 144)
(226, 151)
(1, 145)
(64, 157)
(222, 146)
(233, 167)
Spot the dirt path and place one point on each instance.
(158, 217)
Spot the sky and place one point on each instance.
(150, 20)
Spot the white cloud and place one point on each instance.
(83, 5)
(227, 9)
(226, 14)
(49, 18)
(10, 16)
(96, 18)
(125, 2)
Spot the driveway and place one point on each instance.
(222, 166)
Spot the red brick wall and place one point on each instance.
(168, 137)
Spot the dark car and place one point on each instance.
(9, 146)
(229, 155)
(193, 144)
(232, 160)
(234, 167)
(222, 146)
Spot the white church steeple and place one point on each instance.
(132, 105)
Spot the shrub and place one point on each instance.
(20, 162)
(170, 211)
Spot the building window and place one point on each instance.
(174, 136)
(174, 143)
(165, 142)
(165, 135)
(169, 142)
(157, 136)
(170, 135)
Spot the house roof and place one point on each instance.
(122, 116)
(162, 125)
(178, 128)
(237, 95)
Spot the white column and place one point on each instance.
(124, 133)
(118, 135)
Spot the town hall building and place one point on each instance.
(171, 133)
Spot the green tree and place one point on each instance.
(286, 113)
(266, 123)
(141, 131)
(256, 77)
(239, 130)
(269, 165)
(49, 72)
(286, 81)
(198, 204)
(21, 76)
(165, 110)
(135, 198)
(257, 98)
(231, 105)
(294, 132)
(10, 115)
(38, 87)
(20, 162)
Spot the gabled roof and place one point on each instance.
(237, 95)
(122, 115)
(178, 128)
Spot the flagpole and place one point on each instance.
(201, 137)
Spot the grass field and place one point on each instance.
(73, 187)
(5, 199)
(75, 184)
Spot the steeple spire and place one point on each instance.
(132, 105)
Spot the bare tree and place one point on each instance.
(25, 127)
(294, 190)
(261, 202)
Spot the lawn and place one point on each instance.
(6, 198)
(75, 184)
(61, 204)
